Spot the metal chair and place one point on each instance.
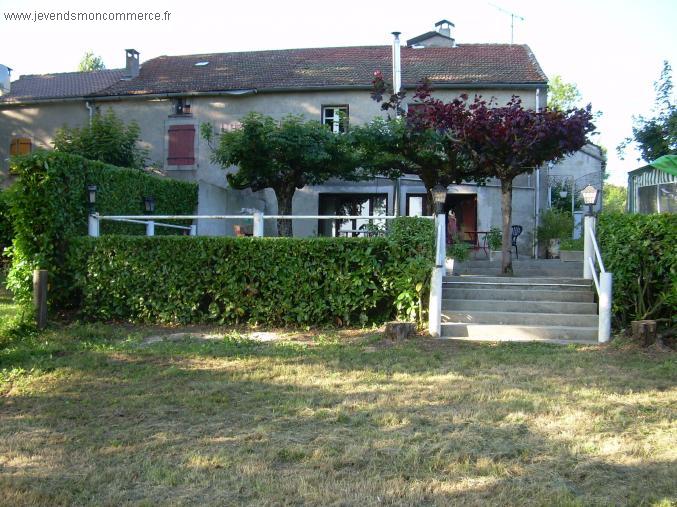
(516, 231)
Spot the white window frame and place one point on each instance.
(336, 118)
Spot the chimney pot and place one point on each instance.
(132, 62)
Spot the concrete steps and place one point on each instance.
(548, 302)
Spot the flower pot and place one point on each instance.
(553, 249)
(449, 264)
(495, 255)
(571, 255)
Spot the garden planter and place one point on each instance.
(571, 255)
(495, 255)
(553, 249)
(449, 264)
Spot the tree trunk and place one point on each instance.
(284, 199)
(506, 207)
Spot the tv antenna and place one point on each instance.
(512, 20)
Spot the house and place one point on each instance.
(170, 96)
(653, 187)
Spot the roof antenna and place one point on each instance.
(512, 20)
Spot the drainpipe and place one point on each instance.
(397, 85)
(537, 215)
(91, 111)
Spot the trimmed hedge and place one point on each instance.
(640, 251)
(276, 281)
(48, 206)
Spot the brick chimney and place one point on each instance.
(132, 63)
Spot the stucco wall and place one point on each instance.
(39, 123)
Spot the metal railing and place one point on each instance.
(592, 259)
(151, 221)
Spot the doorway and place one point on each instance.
(464, 207)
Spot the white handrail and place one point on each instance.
(144, 222)
(596, 248)
(250, 217)
(603, 282)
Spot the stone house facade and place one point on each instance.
(170, 96)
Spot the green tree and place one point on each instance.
(392, 148)
(656, 136)
(563, 96)
(283, 155)
(614, 198)
(106, 139)
(90, 62)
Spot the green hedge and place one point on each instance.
(276, 281)
(6, 229)
(640, 251)
(48, 207)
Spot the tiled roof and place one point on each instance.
(331, 67)
(289, 69)
(62, 85)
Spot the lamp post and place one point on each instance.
(149, 207)
(93, 217)
(589, 195)
(439, 194)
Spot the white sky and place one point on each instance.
(613, 50)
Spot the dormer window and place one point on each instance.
(336, 118)
(181, 107)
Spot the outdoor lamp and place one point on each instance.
(439, 197)
(149, 204)
(91, 196)
(590, 195)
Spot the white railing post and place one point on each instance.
(605, 291)
(588, 249)
(437, 279)
(258, 224)
(93, 225)
(193, 230)
(150, 228)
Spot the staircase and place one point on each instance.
(546, 300)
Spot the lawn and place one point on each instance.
(95, 414)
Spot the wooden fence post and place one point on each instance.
(40, 297)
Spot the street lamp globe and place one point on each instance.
(91, 196)
(149, 204)
(439, 193)
(590, 195)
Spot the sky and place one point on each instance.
(612, 50)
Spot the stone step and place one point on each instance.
(520, 263)
(519, 280)
(493, 332)
(540, 294)
(520, 272)
(539, 306)
(519, 285)
(519, 318)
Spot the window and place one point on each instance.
(417, 205)
(335, 117)
(20, 146)
(352, 205)
(181, 145)
(181, 107)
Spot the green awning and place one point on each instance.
(666, 163)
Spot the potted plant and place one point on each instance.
(456, 251)
(494, 240)
(555, 226)
(571, 250)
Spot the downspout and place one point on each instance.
(397, 85)
(91, 111)
(537, 214)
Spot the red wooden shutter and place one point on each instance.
(181, 145)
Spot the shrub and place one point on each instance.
(276, 281)
(640, 252)
(571, 244)
(107, 139)
(48, 207)
(555, 224)
(6, 229)
(494, 238)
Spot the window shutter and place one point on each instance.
(20, 146)
(181, 145)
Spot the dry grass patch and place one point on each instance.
(89, 414)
